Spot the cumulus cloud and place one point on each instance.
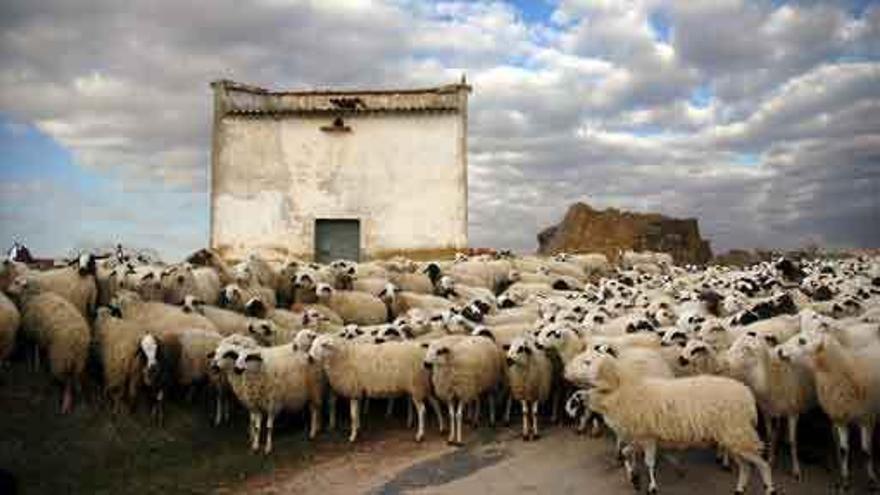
(758, 117)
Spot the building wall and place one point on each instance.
(403, 175)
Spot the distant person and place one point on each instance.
(19, 252)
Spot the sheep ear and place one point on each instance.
(771, 339)
(699, 350)
(611, 352)
(425, 345)
(310, 359)
(506, 347)
(210, 355)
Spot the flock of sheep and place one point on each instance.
(665, 357)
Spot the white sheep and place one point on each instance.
(400, 302)
(462, 368)
(223, 359)
(273, 379)
(57, 328)
(783, 389)
(353, 307)
(363, 370)
(680, 412)
(847, 387)
(530, 378)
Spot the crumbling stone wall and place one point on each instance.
(584, 229)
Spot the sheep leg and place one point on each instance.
(535, 434)
(459, 416)
(475, 412)
(492, 409)
(842, 434)
(771, 438)
(355, 418)
(315, 419)
(270, 426)
(596, 427)
(508, 408)
(582, 424)
(435, 405)
(764, 470)
(218, 411)
(554, 407)
(650, 448)
(792, 444)
(389, 408)
(331, 402)
(525, 419)
(451, 439)
(67, 397)
(742, 479)
(867, 431)
(631, 474)
(420, 412)
(409, 414)
(254, 430)
(366, 406)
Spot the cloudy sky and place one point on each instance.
(761, 118)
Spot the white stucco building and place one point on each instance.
(339, 174)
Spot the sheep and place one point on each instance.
(399, 303)
(353, 307)
(679, 412)
(412, 282)
(847, 387)
(124, 350)
(223, 359)
(447, 287)
(210, 258)
(10, 319)
(76, 283)
(226, 321)
(698, 357)
(58, 328)
(237, 297)
(373, 285)
(273, 379)
(530, 378)
(194, 364)
(782, 388)
(179, 281)
(361, 370)
(462, 368)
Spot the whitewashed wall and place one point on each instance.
(403, 175)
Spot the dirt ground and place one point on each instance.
(94, 451)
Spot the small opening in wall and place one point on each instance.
(338, 125)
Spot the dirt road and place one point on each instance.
(389, 462)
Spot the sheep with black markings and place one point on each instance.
(530, 379)
(269, 380)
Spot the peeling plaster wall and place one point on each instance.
(403, 175)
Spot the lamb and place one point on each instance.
(462, 368)
(356, 370)
(680, 412)
(353, 307)
(399, 303)
(10, 319)
(530, 378)
(58, 328)
(273, 379)
(847, 387)
(783, 389)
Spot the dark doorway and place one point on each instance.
(337, 239)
